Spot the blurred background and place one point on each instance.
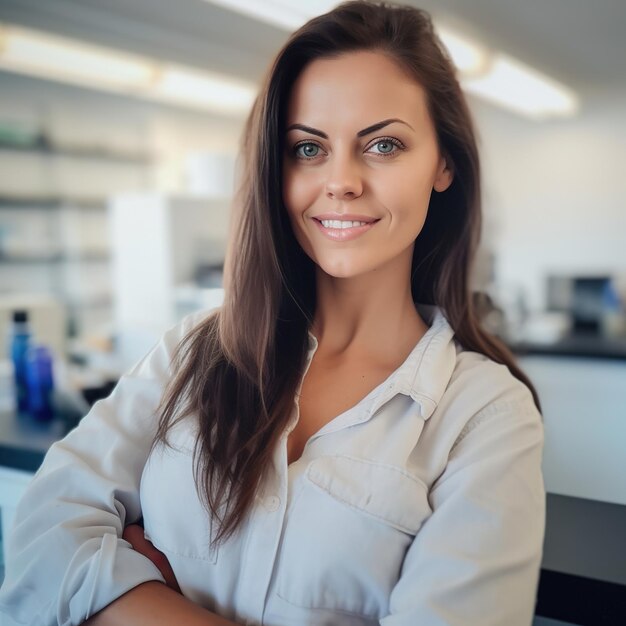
(119, 129)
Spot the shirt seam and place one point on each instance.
(395, 468)
(485, 414)
(384, 520)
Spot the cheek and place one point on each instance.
(410, 198)
(404, 185)
(299, 193)
(297, 199)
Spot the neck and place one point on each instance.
(370, 316)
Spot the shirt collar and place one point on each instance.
(426, 372)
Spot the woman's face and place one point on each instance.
(359, 146)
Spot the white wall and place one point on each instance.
(555, 192)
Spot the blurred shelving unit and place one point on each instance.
(65, 153)
(41, 145)
(54, 231)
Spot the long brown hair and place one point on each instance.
(238, 371)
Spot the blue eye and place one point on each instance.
(308, 146)
(389, 144)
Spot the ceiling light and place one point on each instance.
(52, 57)
(469, 58)
(71, 61)
(178, 84)
(522, 89)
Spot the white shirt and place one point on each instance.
(422, 505)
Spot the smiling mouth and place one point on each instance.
(343, 230)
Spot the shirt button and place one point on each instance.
(272, 503)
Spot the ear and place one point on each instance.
(444, 176)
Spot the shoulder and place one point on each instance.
(481, 390)
(481, 382)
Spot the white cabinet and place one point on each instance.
(584, 408)
(158, 244)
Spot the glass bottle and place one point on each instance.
(20, 340)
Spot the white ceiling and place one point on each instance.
(578, 42)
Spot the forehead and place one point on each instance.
(353, 88)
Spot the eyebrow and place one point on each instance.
(366, 131)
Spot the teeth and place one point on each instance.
(341, 224)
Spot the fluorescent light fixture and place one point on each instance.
(468, 57)
(204, 90)
(66, 60)
(522, 89)
(49, 56)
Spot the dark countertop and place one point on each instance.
(24, 441)
(578, 345)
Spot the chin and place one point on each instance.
(343, 270)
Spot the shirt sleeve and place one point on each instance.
(476, 559)
(65, 558)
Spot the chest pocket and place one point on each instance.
(175, 520)
(346, 535)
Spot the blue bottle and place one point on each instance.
(20, 341)
(40, 383)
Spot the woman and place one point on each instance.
(346, 445)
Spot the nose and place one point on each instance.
(344, 179)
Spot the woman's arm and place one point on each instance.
(151, 603)
(65, 556)
(476, 560)
(154, 604)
